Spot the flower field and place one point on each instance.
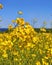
(24, 46)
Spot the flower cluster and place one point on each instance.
(24, 46)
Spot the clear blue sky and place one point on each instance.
(40, 9)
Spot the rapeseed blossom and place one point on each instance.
(24, 46)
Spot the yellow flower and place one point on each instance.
(17, 20)
(27, 31)
(43, 29)
(15, 59)
(5, 43)
(20, 21)
(15, 53)
(13, 21)
(1, 39)
(10, 27)
(38, 63)
(41, 52)
(46, 57)
(20, 12)
(34, 55)
(46, 46)
(1, 6)
(5, 55)
(29, 44)
(44, 62)
(35, 39)
(51, 51)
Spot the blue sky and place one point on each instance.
(40, 9)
